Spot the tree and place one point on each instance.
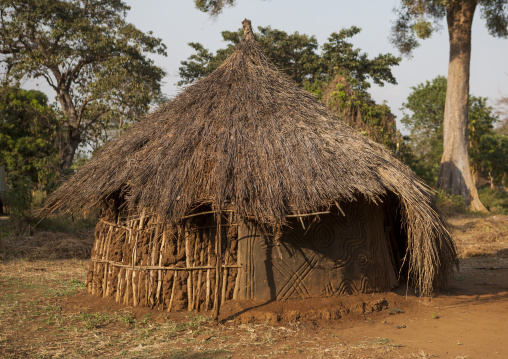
(213, 7)
(502, 111)
(423, 113)
(423, 117)
(297, 55)
(89, 55)
(346, 97)
(418, 19)
(28, 127)
(339, 74)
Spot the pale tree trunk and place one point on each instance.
(68, 141)
(491, 181)
(455, 173)
(476, 176)
(67, 148)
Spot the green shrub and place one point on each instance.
(19, 196)
(496, 201)
(450, 203)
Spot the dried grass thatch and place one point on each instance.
(248, 139)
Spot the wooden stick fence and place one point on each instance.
(144, 262)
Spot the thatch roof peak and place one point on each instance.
(247, 30)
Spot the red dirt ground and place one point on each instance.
(469, 320)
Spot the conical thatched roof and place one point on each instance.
(248, 138)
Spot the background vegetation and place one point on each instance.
(99, 68)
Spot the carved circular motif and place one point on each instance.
(323, 237)
(362, 259)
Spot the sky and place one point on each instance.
(178, 22)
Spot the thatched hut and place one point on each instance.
(244, 186)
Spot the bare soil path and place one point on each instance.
(46, 313)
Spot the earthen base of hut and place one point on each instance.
(304, 310)
(310, 310)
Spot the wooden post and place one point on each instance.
(200, 275)
(135, 273)
(159, 272)
(153, 252)
(170, 306)
(218, 252)
(208, 284)
(119, 286)
(128, 274)
(188, 265)
(105, 255)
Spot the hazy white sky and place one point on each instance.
(177, 22)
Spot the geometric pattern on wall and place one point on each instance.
(336, 255)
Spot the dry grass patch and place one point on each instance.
(39, 318)
(480, 237)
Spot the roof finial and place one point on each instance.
(247, 30)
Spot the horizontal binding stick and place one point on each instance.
(306, 214)
(208, 212)
(141, 268)
(112, 224)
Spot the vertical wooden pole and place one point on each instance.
(154, 246)
(224, 283)
(118, 296)
(200, 275)
(218, 269)
(128, 274)
(195, 276)
(170, 306)
(105, 279)
(188, 264)
(96, 266)
(159, 272)
(208, 284)
(135, 274)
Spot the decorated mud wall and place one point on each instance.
(335, 254)
(144, 262)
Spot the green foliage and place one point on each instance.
(450, 203)
(502, 111)
(425, 123)
(354, 105)
(19, 195)
(297, 55)
(340, 55)
(28, 136)
(423, 116)
(80, 159)
(488, 150)
(419, 19)
(90, 56)
(494, 200)
(213, 7)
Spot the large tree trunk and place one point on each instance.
(454, 173)
(70, 139)
(67, 149)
